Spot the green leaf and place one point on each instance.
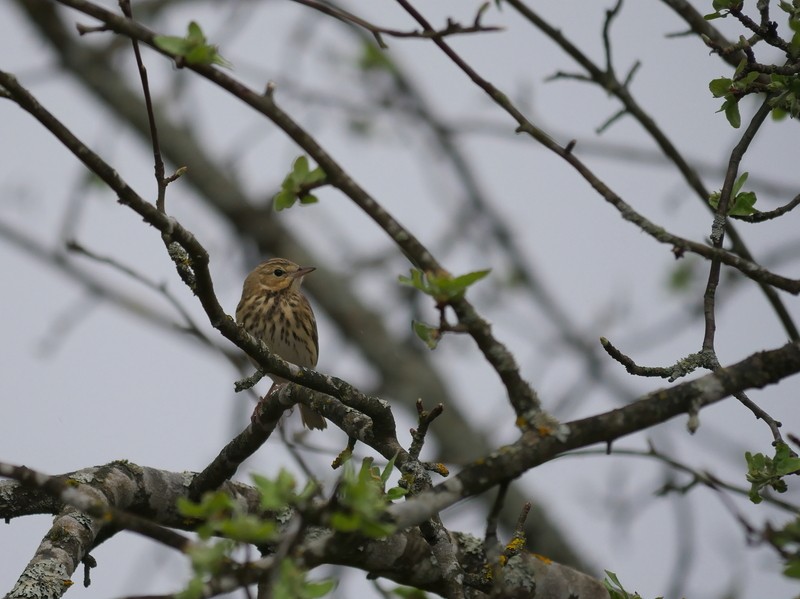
(680, 279)
(731, 108)
(739, 183)
(283, 200)
(315, 176)
(429, 335)
(793, 569)
(442, 287)
(194, 590)
(297, 183)
(292, 584)
(171, 44)
(208, 558)
(373, 58)
(345, 522)
(720, 87)
(195, 34)
(740, 67)
(743, 204)
(209, 505)
(416, 280)
(319, 589)
(277, 493)
(396, 493)
(748, 79)
(193, 48)
(361, 502)
(763, 471)
(468, 279)
(387, 472)
(300, 168)
(248, 529)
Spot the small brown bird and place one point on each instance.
(274, 310)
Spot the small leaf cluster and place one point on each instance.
(733, 90)
(763, 471)
(787, 98)
(793, 10)
(787, 540)
(194, 48)
(743, 201)
(222, 516)
(374, 59)
(785, 88)
(298, 183)
(442, 287)
(361, 500)
(278, 494)
(722, 8)
(292, 584)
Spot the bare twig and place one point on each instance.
(190, 327)
(610, 84)
(161, 180)
(425, 418)
(378, 32)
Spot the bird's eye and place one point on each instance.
(278, 272)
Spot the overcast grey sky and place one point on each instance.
(84, 382)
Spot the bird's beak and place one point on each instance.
(303, 271)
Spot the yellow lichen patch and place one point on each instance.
(340, 459)
(516, 544)
(542, 558)
(440, 469)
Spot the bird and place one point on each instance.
(274, 310)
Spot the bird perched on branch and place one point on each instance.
(274, 310)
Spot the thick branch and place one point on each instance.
(756, 371)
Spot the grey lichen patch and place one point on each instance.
(518, 576)
(187, 478)
(47, 578)
(284, 515)
(85, 477)
(470, 545)
(83, 519)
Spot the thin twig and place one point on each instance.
(613, 86)
(190, 327)
(760, 217)
(717, 238)
(490, 539)
(161, 181)
(424, 419)
(452, 28)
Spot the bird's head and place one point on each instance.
(279, 274)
